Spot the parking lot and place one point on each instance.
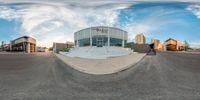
(42, 76)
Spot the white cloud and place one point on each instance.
(195, 44)
(89, 2)
(50, 21)
(50, 24)
(150, 23)
(195, 9)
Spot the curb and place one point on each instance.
(92, 73)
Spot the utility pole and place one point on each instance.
(10, 46)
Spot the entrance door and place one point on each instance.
(99, 41)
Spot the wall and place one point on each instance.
(142, 48)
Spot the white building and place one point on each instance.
(100, 36)
(100, 42)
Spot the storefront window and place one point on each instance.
(100, 41)
(115, 42)
(84, 42)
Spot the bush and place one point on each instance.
(65, 49)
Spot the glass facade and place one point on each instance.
(84, 42)
(100, 36)
(115, 42)
(100, 41)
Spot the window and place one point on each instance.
(84, 42)
(115, 42)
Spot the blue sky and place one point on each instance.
(49, 21)
(8, 30)
(170, 20)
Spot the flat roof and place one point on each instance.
(101, 27)
(170, 39)
(23, 37)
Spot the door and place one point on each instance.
(99, 41)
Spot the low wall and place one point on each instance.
(142, 48)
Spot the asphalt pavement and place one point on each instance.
(40, 76)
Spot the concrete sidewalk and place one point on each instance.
(189, 52)
(101, 66)
(4, 52)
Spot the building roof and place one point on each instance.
(102, 27)
(170, 39)
(139, 34)
(23, 37)
(68, 42)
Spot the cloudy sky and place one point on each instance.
(56, 20)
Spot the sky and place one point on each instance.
(51, 21)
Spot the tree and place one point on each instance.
(187, 46)
(2, 45)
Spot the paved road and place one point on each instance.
(166, 76)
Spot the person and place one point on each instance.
(152, 49)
